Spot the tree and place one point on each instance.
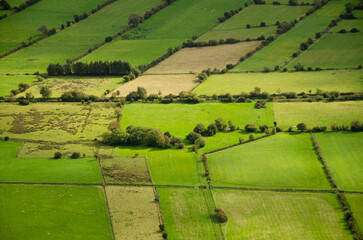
(76, 155)
(141, 92)
(57, 155)
(200, 142)
(303, 46)
(356, 126)
(221, 124)
(212, 129)
(23, 86)
(231, 126)
(293, 2)
(301, 127)
(200, 128)
(192, 137)
(5, 5)
(135, 19)
(222, 217)
(46, 92)
(263, 128)
(44, 29)
(250, 128)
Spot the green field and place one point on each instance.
(358, 13)
(14, 3)
(75, 40)
(333, 51)
(240, 34)
(53, 212)
(186, 215)
(34, 170)
(317, 113)
(7, 83)
(167, 29)
(280, 51)
(344, 155)
(348, 24)
(355, 202)
(282, 161)
(275, 216)
(52, 13)
(341, 80)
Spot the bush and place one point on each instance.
(212, 129)
(354, 30)
(57, 155)
(231, 126)
(200, 142)
(262, 24)
(24, 102)
(303, 46)
(252, 137)
(76, 155)
(251, 128)
(192, 137)
(221, 124)
(200, 128)
(222, 217)
(241, 140)
(135, 19)
(108, 39)
(356, 126)
(202, 77)
(46, 92)
(165, 235)
(301, 127)
(260, 104)
(343, 31)
(74, 96)
(263, 128)
(229, 66)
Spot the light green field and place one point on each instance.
(240, 34)
(7, 83)
(170, 27)
(358, 13)
(344, 155)
(15, 3)
(333, 51)
(57, 122)
(92, 86)
(282, 161)
(52, 13)
(186, 215)
(282, 48)
(72, 42)
(34, 170)
(276, 215)
(355, 202)
(317, 113)
(341, 80)
(348, 24)
(53, 212)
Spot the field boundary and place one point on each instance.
(274, 189)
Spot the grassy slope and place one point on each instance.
(52, 13)
(53, 212)
(344, 155)
(275, 216)
(185, 214)
(34, 170)
(317, 113)
(341, 80)
(7, 83)
(355, 202)
(282, 161)
(178, 22)
(72, 42)
(281, 50)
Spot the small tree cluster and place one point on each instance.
(221, 215)
(228, 15)
(5, 5)
(284, 27)
(25, 5)
(259, 1)
(260, 104)
(140, 93)
(21, 88)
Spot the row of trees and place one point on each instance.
(355, 126)
(228, 15)
(25, 5)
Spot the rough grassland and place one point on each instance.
(72, 42)
(317, 113)
(282, 161)
(344, 155)
(53, 212)
(341, 80)
(333, 51)
(55, 121)
(7, 83)
(34, 170)
(282, 48)
(275, 216)
(186, 215)
(134, 213)
(199, 59)
(52, 13)
(166, 84)
(355, 202)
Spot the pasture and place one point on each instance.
(317, 113)
(355, 202)
(134, 213)
(186, 215)
(277, 215)
(7, 83)
(348, 24)
(198, 59)
(344, 155)
(53, 212)
(235, 83)
(285, 161)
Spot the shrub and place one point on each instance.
(76, 155)
(259, 1)
(108, 39)
(229, 66)
(202, 77)
(356, 126)
(241, 140)
(200, 142)
(222, 217)
(165, 235)
(162, 227)
(343, 31)
(212, 129)
(221, 124)
(303, 46)
(231, 126)
(354, 30)
(301, 127)
(192, 137)
(57, 155)
(262, 24)
(73, 96)
(293, 2)
(24, 102)
(252, 137)
(263, 128)
(251, 128)
(248, 26)
(318, 35)
(135, 19)
(46, 92)
(260, 104)
(200, 128)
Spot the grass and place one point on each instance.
(53, 212)
(355, 202)
(72, 42)
(37, 170)
(333, 51)
(282, 161)
(348, 24)
(52, 13)
(358, 13)
(343, 154)
(134, 212)
(126, 170)
(15, 3)
(276, 215)
(282, 82)
(59, 122)
(185, 214)
(317, 113)
(7, 83)
(280, 51)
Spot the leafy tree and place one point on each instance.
(356, 126)
(200, 142)
(303, 46)
(200, 128)
(135, 19)
(43, 29)
(141, 92)
(263, 128)
(301, 127)
(293, 2)
(221, 215)
(212, 129)
(45, 91)
(76, 155)
(251, 128)
(5, 5)
(221, 124)
(23, 86)
(231, 126)
(57, 155)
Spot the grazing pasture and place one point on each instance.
(134, 213)
(344, 155)
(186, 215)
(7, 83)
(53, 212)
(317, 113)
(340, 80)
(355, 202)
(199, 59)
(348, 24)
(277, 215)
(284, 161)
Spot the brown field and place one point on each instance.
(134, 213)
(198, 59)
(166, 84)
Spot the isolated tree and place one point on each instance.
(46, 92)
(135, 19)
(44, 29)
(301, 127)
(251, 128)
(222, 217)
